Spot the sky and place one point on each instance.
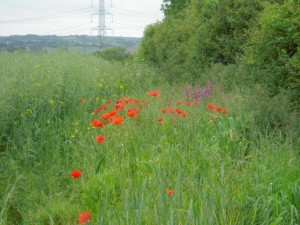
(125, 18)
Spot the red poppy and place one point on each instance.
(180, 103)
(189, 104)
(131, 112)
(105, 116)
(178, 111)
(170, 192)
(112, 113)
(118, 120)
(84, 217)
(160, 119)
(210, 106)
(171, 110)
(75, 174)
(144, 102)
(100, 139)
(153, 93)
(163, 111)
(225, 111)
(119, 107)
(218, 109)
(130, 101)
(183, 115)
(107, 102)
(97, 123)
(196, 102)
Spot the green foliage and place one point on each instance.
(206, 32)
(197, 34)
(148, 50)
(225, 170)
(114, 54)
(275, 47)
(174, 7)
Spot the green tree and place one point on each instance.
(275, 47)
(174, 7)
(114, 54)
(207, 31)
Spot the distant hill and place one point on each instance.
(50, 42)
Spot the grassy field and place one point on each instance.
(84, 141)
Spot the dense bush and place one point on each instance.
(201, 33)
(113, 54)
(174, 7)
(275, 47)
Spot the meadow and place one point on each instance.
(86, 141)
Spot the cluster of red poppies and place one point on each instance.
(116, 113)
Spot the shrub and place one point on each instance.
(114, 54)
(274, 47)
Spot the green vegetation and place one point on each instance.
(202, 127)
(205, 168)
(194, 36)
(274, 46)
(84, 43)
(114, 54)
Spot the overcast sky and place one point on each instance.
(126, 18)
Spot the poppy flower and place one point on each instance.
(171, 110)
(225, 111)
(178, 111)
(100, 139)
(97, 123)
(163, 111)
(144, 102)
(180, 103)
(118, 120)
(170, 192)
(153, 93)
(218, 109)
(183, 115)
(210, 106)
(119, 107)
(84, 217)
(189, 104)
(160, 119)
(196, 102)
(130, 101)
(107, 102)
(105, 116)
(112, 113)
(75, 174)
(131, 112)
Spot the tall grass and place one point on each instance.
(222, 168)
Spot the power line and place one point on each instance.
(67, 28)
(128, 25)
(52, 16)
(130, 12)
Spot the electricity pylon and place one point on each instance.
(101, 28)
